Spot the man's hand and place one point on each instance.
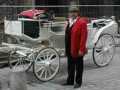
(81, 54)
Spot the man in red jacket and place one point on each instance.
(75, 43)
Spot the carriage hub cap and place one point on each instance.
(47, 63)
(106, 48)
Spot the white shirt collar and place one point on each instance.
(71, 21)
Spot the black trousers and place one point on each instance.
(75, 70)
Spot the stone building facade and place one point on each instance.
(85, 11)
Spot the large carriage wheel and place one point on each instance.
(17, 62)
(47, 64)
(104, 50)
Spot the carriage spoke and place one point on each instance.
(52, 68)
(42, 72)
(46, 73)
(39, 69)
(99, 54)
(102, 61)
(51, 56)
(49, 72)
(48, 54)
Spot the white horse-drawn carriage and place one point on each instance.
(39, 44)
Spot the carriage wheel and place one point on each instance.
(47, 64)
(104, 50)
(17, 62)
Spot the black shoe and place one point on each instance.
(68, 84)
(77, 85)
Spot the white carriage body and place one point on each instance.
(110, 27)
(54, 31)
(13, 27)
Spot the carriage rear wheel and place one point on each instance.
(47, 64)
(104, 50)
(17, 62)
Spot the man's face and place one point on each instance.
(73, 15)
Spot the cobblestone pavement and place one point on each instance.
(105, 78)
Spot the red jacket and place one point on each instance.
(79, 37)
